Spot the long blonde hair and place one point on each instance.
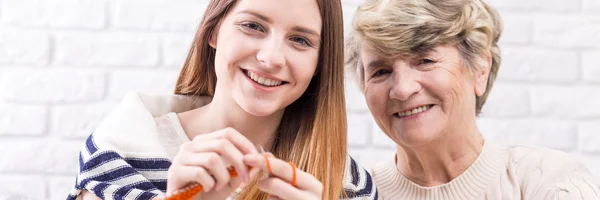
(312, 132)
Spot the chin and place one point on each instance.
(416, 138)
(260, 108)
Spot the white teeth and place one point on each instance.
(413, 111)
(262, 80)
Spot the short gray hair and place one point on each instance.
(414, 27)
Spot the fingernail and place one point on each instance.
(253, 151)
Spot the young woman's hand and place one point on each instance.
(206, 159)
(280, 184)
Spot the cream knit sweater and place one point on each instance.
(500, 172)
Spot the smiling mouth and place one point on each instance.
(263, 81)
(414, 111)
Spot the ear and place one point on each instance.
(212, 41)
(482, 73)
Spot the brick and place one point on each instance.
(355, 100)
(78, 121)
(571, 102)
(536, 64)
(379, 138)
(164, 15)
(592, 6)
(591, 67)
(352, 2)
(536, 5)
(22, 119)
(570, 31)
(589, 137)
(43, 155)
(125, 81)
(517, 28)
(24, 47)
(555, 134)
(60, 186)
(175, 50)
(86, 14)
(348, 10)
(501, 131)
(22, 187)
(369, 157)
(507, 101)
(107, 49)
(52, 86)
(358, 129)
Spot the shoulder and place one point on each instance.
(551, 174)
(131, 127)
(531, 159)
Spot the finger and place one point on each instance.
(211, 162)
(283, 170)
(273, 197)
(237, 139)
(280, 189)
(182, 175)
(231, 155)
(235, 158)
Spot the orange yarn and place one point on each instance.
(190, 191)
(293, 177)
(268, 164)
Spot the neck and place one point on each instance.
(223, 112)
(443, 159)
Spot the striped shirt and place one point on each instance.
(129, 154)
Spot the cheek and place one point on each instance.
(376, 97)
(304, 68)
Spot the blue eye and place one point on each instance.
(252, 26)
(301, 41)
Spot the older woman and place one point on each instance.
(426, 68)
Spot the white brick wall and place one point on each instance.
(64, 64)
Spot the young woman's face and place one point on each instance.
(267, 53)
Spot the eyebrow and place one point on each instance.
(376, 63)
(306, 30)
(262, 17)
(268, 20)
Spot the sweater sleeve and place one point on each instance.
(575, 186)
(554, 175)
(108, 175)
(358, 183)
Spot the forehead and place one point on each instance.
(304, 13)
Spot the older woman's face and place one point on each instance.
(416, 100)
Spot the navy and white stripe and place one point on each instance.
(361, 184)
(110, 176)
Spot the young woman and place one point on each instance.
(259, 72)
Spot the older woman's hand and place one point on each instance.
(280, 184)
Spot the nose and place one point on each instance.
(271, 54)
(404, 85)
